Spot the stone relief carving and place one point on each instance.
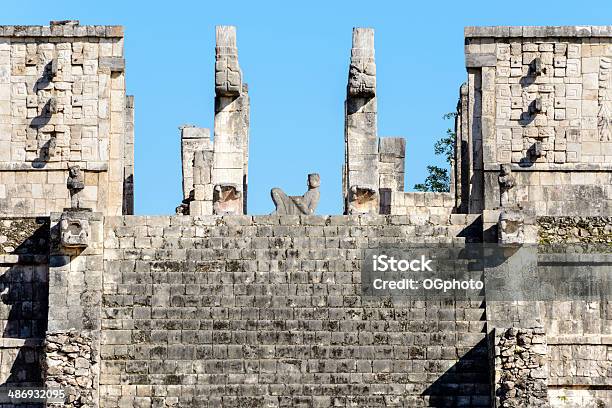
(75, 184)
(227, 200)
(74, 231)
(362, 200)
(228, 76)
(506, 183)
(604, 117)
(53, 106)
(362, 71)
(536, 106)
(305, 204)
(537, 67)
(511, 227)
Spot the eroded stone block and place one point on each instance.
(227, 200)
(363, 200)
(511, 228)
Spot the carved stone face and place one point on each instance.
(511, 228)
(363, 200)
(74, 232)
(227, 200)
(314, 180)
(362, 79)
(505, 169)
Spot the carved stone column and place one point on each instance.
(361, 178)
(193, 139)
(231, 132)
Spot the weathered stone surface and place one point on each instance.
(506, 183)
(63, 103)
(592, 230)
(480, 60)
(521, 369)
(74, 230)
(72, 364)
(228, 76)
(227, 200)
(511, 227)
(362, 200)
(361, 139)
(234, 310)
(75, 185)
(231, 132)
(362, 71)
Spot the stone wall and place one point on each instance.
(579, 332)
(24, 253)
(571, 81)
(267, 311)
(538, 99)
(62, 101)
(72, 363)
(425, 204)
(521, 368)
(584, 193)
(556, 230)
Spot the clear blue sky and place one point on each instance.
(294, 56)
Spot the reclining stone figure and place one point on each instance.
(292, 205)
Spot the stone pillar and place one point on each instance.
(231, 126)
(462, 146)
(128, 172)
(361, 183)
(202, 203)
(193, 139)
(391, 153)
(476, 193)
(391, 157)
(72, 343)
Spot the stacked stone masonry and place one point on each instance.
(267, 311)
(63, 102)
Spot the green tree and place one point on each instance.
(438, 179)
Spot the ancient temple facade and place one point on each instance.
(213, 307)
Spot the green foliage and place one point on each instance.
(438, 179)
(446, 146)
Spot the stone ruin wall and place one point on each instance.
(509, 107)
(63, 102)
(24, 284)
